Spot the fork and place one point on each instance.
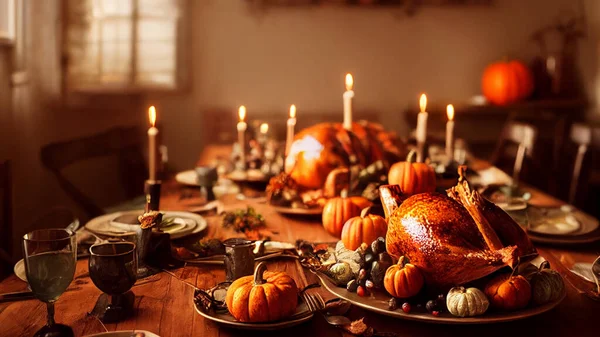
(314, 302)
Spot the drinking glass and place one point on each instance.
(50, 259)
(113, 269)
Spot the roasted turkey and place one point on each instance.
(455, 238)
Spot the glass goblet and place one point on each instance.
(50, 258)
(113, 269)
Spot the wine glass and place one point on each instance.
(113, 269)
(50, 259)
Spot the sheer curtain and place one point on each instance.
(121, 44)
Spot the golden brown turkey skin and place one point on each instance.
(439, 236)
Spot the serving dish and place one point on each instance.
(378, 303)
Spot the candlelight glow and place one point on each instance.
(293, 111)
(264, 128)
(349, 82)
(423, 103)
(152, 116)
(450, 112)
(242, 113)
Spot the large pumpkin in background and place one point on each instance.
(507, 82)
(319, 149)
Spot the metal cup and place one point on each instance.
(239, 258)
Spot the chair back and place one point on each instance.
(585, 138)
(123, 142)
(522, 135)
(6, 237)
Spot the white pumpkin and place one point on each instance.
(463, 302)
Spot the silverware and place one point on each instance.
(596, 274)
(316, 303)
(16, 296)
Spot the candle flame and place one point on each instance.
(264, 128)
(423, 102)
(152, 115)
(450, 112)
(242, 113)
(293, 111)
(349, 82)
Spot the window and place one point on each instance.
(7, 21)
(123, 45)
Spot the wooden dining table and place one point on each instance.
(164, 302)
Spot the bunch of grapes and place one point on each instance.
(374, 263)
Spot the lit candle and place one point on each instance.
(241, 127)
(348, 95)
(291, 124)
(450, 133)
(421, 134)
(264, 129)
(152, 133)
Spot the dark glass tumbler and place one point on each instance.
(113, 269)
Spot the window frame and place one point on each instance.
(182, 59)
(8, 37)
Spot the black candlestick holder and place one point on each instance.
(144, 235)
(152, 191)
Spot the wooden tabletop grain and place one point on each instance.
(164, 302)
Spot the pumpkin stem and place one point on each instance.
(544, 265)
(344, 192)
(411, 157)
(258, 273)
(365, 211)
(403, 261)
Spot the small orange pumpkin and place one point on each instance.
(507, 292)
(413, 178)
(336, 212)
(507, 82)
(263, 297)
(361, 202)
(404, 279)
(364, 228)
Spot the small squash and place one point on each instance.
(364, 228)
(413, 178)
(341, 273)
(546, 285)
(403, 279)
(467, 302)
(336, 212)
(508, 292)
(264, 297)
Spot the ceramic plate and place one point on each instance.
(565, 220)
(379, 304)
(248, 176)
(189, 177)
(104, 224)
(302, 315)
(20, 270)
(298, 211)
(126, 333)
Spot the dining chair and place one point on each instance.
(124, 143)
(517, 140)
(586, 138)
(6, 236)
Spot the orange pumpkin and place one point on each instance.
(336, 212)
(364, 228)
(361, 202)
(413, 178)
(403, 280)
(508, 292)
(319, 149)
(264, 297)
(507, 82)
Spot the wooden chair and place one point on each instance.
(515, 135)
(123, 142)
(6, 237)
(586, 139)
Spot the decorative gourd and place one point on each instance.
(336, 212)
(364, 228)
(403, 280)
(264, 297)
(507, 292)
(467, 302)
(546, 285)
(413, 178)
(341, 273)
(507, 82)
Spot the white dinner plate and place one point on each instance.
(125, 333)
(189, 177)
(104, 224)
(565, 220)
(20, 270)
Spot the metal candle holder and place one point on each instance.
(144, 235)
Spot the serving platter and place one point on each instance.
(301, 315)
(298, 211)
(378, 303)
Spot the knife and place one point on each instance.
(16, 296)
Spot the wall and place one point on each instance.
(301, 54)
